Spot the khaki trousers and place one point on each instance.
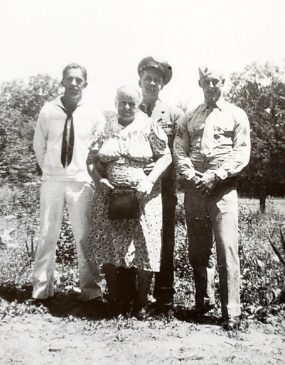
(214, 218)
(78, 198)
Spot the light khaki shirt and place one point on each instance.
(218, 139)
(166, 116)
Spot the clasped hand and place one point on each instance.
(204, 182)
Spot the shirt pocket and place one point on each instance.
(224, 126)
(223, 136)
(223, 131)
(166, 125)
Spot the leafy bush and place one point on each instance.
(259, 90)
(22, 201)
(20, 103)
(66, 247)
(262, 275)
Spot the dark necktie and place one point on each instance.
(149, 110)
(67, 139)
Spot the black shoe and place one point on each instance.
(140, 314)
(38, 302)
(115, 307)
(95, 304)
(200, 310)
(163, 307)
(232, 323)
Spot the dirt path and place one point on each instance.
(44, 339)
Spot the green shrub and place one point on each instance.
(262, 275)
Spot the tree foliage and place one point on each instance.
(260, 91)
(29, 97)
(20, 103)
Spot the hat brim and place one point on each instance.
(163, 67)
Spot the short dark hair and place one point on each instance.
(74, 65)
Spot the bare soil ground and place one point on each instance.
(46, 339)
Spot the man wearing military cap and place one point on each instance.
(154, 75)
(211, 147)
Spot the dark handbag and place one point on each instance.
(123, 204)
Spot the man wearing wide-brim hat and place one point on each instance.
(211, 147)
(154, 75)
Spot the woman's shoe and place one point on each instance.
(141, 314)
(231, 323)
(117, 307)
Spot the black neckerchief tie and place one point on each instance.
(149, 110)
(67, 143)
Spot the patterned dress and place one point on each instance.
(124, 152)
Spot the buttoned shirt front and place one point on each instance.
(166, 116)
(228, 142)
(48, 140)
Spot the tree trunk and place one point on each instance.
(262, 198)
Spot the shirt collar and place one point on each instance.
(220, 104)
(58, 102)
(143, 106)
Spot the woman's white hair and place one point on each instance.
(129, 90)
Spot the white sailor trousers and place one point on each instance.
(78, 197)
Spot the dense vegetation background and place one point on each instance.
(259, 90)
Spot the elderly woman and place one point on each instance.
(126, 229)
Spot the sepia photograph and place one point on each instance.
(142, 182)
